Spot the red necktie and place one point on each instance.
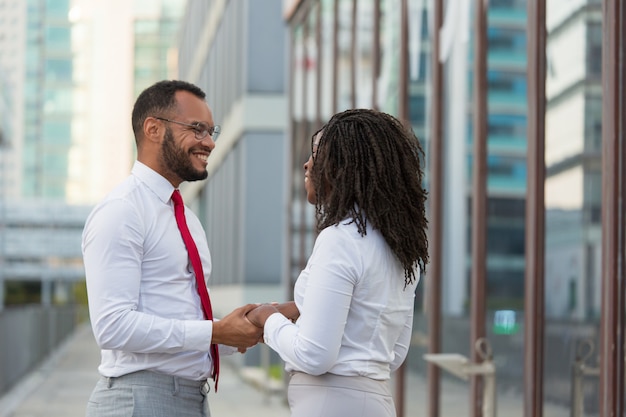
(192, 250)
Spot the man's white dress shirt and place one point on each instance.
(143, 301)
(356, 315)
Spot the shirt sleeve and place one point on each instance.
(312, 344)
(113, 241)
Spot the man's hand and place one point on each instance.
(235, 330)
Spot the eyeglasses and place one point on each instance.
(200, 129)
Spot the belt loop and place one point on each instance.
(176, 387)
(109, 382)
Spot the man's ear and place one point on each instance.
(152, 130)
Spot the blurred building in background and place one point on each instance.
(69, 70)
(48, 100)
(274, 72)
(325, 81)
(235, 51)
(7, 114)
(573, 159)
(67, 138)
(12, 62)
(36, 67)
(366, 53)
(156, 29)
(506, 159)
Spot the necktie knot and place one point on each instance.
(177, 198)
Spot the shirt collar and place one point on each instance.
(154, 181)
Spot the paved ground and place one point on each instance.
(61, 387)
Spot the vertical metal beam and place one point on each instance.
(613, 208)
(479, 201)
(301, 142)
(291, 163)
(318, 68)
(403, 76)
(534, 320)
(375, 54)
(354, 52)
(403, 115)
(433, 283)
(335, 54)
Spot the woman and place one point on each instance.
(356, 294)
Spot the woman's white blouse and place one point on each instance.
(356, 315)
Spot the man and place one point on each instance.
(147, 313)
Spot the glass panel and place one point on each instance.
(389, 56)
(59, 70)
(363, 54)
(573, 200)
(420, 55)
(57, 8)
(311, 63)
(326, 55)
(59, 38)
(58, 101)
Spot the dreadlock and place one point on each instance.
(367, 168)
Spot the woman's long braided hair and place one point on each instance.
(367, 167)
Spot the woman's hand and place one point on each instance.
(259, 315)
(289, 310)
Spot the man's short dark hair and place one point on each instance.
(158, 99)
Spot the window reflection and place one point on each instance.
(573, 194)
(389, 56)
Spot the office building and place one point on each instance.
(573, 159)
(234, 50)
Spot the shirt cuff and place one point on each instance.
(272, 324)
(226, 350)
(198, 335)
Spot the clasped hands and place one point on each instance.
(259, 315)
(243, 327)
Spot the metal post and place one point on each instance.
(354, 52)
(403, 115)
(5, 146)
(2, 221)
(335, 55)
(433, 283)
(375, 54)
(535, 211)
(613, 194)
(479, 199)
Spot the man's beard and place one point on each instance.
(177, 161)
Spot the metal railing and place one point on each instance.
(29, 334)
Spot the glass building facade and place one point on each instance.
(370, 53)
(350, 77)
(235, 51)
(48, 99)
(156, 27)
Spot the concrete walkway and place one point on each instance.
(62, 385)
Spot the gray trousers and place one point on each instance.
(331, 395)
(148, 394)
